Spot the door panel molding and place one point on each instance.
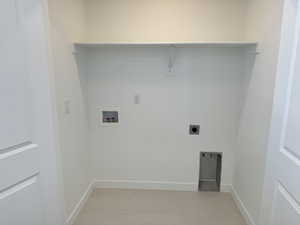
(18, 187)
(286, 210)
(18, 165)
(7, 152)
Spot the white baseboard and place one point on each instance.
(226, 188)
(242, 207)
(72, 217)
(150, 185)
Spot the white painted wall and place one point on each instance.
(264, 21)
(165, 20)
(164, 152)
(151, 143)
(69, 16)
(67, 25)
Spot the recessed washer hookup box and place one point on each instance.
(110, 116)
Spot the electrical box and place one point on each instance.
(194, 129)
(110, 116)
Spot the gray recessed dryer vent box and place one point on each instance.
(210, 171)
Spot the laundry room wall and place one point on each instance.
(144, 21)
(264, 25)
(67, 24)
(151, 146)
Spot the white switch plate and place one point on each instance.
(137, 99)
(67, 107)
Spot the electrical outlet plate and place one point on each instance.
(194, 129)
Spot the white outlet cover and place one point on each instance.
(137, 99)
(67, 107)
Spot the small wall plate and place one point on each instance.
(194, 129)
(110, 117)
(111, 112)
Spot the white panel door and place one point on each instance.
(283, 173)
(20, 154)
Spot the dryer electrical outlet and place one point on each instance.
(194, 129)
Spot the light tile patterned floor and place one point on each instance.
(148, 207)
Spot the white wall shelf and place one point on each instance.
(182, 44)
